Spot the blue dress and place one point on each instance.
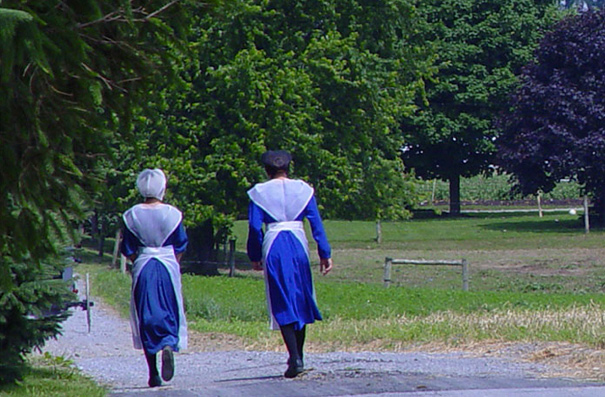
(154, 295)
(291, 296)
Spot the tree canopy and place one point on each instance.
(481, 47)
(327, 80)
(555, 128)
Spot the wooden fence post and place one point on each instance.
(464, 275)
(378, 231)
(116, 248)
(539, 198)
(586, 216)
(388, 264)
(123, 264)
(231, 257)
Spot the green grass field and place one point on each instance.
(53, 377)
(514, 252)
(532, 279)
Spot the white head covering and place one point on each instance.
(152, 183)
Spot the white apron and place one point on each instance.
(165, 255)
(284, 200)
(273, 229)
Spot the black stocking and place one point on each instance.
(289, 335)
(300, 340)
(152, 364)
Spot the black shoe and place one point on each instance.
(295, 368)
(155, 381)
(167, 363)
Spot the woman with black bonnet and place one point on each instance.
(282, 251)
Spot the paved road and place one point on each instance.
(107, 355)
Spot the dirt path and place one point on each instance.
(106, 354)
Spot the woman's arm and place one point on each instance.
(311, 212)
(319, 235)
(129, 245)
(254, 245)
(179, 241)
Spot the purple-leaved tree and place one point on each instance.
(555, 127)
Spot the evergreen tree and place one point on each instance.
(71, 74)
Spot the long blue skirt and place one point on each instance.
(157, 308)
(290, 282)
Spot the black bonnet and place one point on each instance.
(279, 159)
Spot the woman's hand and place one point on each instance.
(257, 265)
(325, 265)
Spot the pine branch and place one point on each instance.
(153, 14)
(111, 17)
(118, 15)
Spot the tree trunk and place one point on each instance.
(116, 248)
(598, 213)
(455, 195)
(94, 225)
(101, 234)
(199, 257)
(586, 215)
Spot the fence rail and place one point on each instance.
(389, 262)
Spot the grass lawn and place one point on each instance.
(516, 252)
(53, 377)
(532, 280)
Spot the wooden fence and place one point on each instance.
(389, 262)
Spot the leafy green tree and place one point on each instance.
(327, 80)
(71, 73)
(481, 45)
(554, 129)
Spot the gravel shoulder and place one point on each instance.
(106, 354)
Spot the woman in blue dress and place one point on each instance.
(282, 250)
(154, 239)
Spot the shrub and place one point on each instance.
(30, 312)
